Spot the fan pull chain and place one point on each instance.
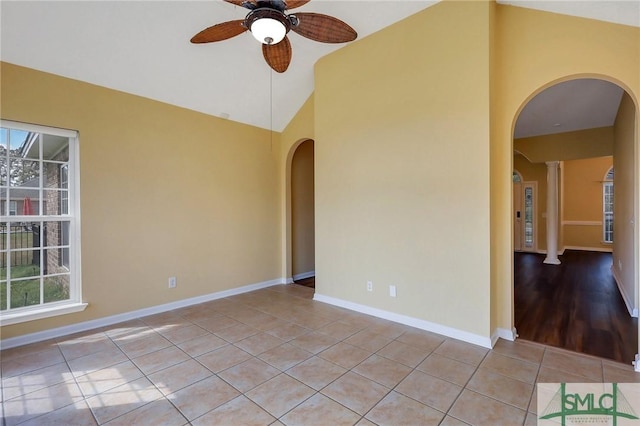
(271, 108)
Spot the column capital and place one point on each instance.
(552, 163)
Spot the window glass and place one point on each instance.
(607, 207)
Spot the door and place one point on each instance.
(517, 216)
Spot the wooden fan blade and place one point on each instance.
(323, 28)
(292, 4)
(278, 56)
(220, 32)
(249, 4)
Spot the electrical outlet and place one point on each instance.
(392, 290)
(172, 282)
(369, 286)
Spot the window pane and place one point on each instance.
(53, 261)
(608, 210)
(54, 233)
(53, 175)
(3, 296)
(23, 235)
(528, 217)
(64, 202)
(3, 265)
(25, 264)
(64, 176)
(4, 140)
(24, 201)
(24, 173)
(56, 288)
(25, 293)
(30, 148)
(55, 202)
(609, 175)
(3, 171)
(17, 141)
(55, 148)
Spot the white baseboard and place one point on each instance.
(455, 333)
(627, 300)
(126, 316)
(503, 333)
(288, 280)
(304, 275)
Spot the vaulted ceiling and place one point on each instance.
(143, 48)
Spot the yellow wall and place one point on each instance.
(625, 251)
(567, 146)
(302, 210)
(165, 192)
(536, 50)
(582, 202)
(402, 168)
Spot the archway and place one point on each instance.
(563, 148)
(301, 207)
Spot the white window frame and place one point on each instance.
(606, 184)
(75, 302)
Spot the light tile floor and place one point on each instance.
(275, 356)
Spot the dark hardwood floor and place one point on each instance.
(307, 282)
(575, 305)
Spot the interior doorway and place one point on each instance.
(302, 215)
(589, 120)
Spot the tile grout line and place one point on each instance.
(477, 367)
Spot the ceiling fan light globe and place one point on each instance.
(268, 30)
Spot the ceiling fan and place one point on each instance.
(269, 23)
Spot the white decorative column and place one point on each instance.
(552, 213)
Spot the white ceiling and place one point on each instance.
(568, 106)
(143, 48)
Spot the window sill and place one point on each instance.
(41, 312)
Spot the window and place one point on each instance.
(39, 223)
(607, 207)
(529, 212)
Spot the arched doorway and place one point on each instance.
(302, 214)
(570, 134)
